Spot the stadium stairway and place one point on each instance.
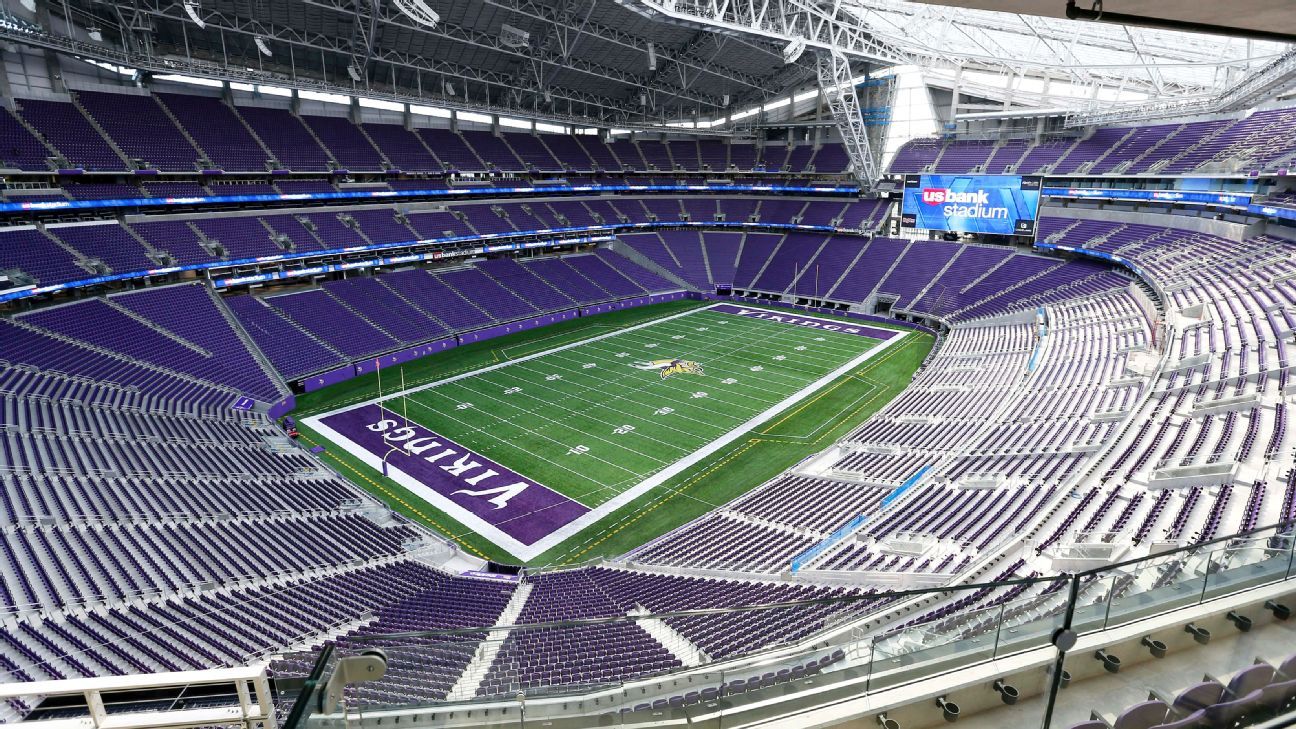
(484, 657)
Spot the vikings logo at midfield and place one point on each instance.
(669, 367)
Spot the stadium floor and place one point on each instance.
(534, 453)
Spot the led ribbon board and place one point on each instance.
(998, 204)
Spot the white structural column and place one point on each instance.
(838, 88)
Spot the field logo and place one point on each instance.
(669, 367)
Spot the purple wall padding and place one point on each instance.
(500, 330)
(636, 301)
(332, 377)
(368, 365)
(282, 407)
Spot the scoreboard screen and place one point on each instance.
(998, 204)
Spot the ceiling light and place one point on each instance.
(354, 73)
(794, 50)
(261, 46)
(514, 37)
(95, 34)
(419, 12)
(652, 57)
(192, 7)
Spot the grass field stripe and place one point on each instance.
(765, 360)
(629, 520)
(620, 363)
(692, 404)
(685, 388)
(830, 337)
(712, 365)
(541, 436)
(789, 344)
(498, 365)
(559, 423)
(716, 357)
(602, 383)
(573, 413)
(571, 529)
(805, 405)
(646, 419)
(869, 368)
(510, 444)
(794, 340)
(853, 407)
(713, 335)
(712, 358)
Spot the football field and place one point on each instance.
(531, 450)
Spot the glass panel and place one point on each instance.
(1092, 603)
(1030, 622)
(1248, 562)
(947, 639)
(1152, 587)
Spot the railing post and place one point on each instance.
(1063, 639)
(994, 653)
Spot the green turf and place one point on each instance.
(589, 423)
(633, 397)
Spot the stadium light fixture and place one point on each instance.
(514, 37)
(192, 7)
(354, 73)
(652, 57)
(419, 12)
(28, 5)
(793, 50)
(95, 34)
(263, 47)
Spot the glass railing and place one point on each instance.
(768, 661)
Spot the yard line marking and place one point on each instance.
(627, 398)
(536, 434)
(661, 477)
(500, 365)
(684, 388)
(632, 517)
(575, 413)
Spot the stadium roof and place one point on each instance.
(645, 62)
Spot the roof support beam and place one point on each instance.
(838, 87)
(467, 36)
(607, 111)
(566, 18)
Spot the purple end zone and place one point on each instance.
(841, 327)
(521, 508)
